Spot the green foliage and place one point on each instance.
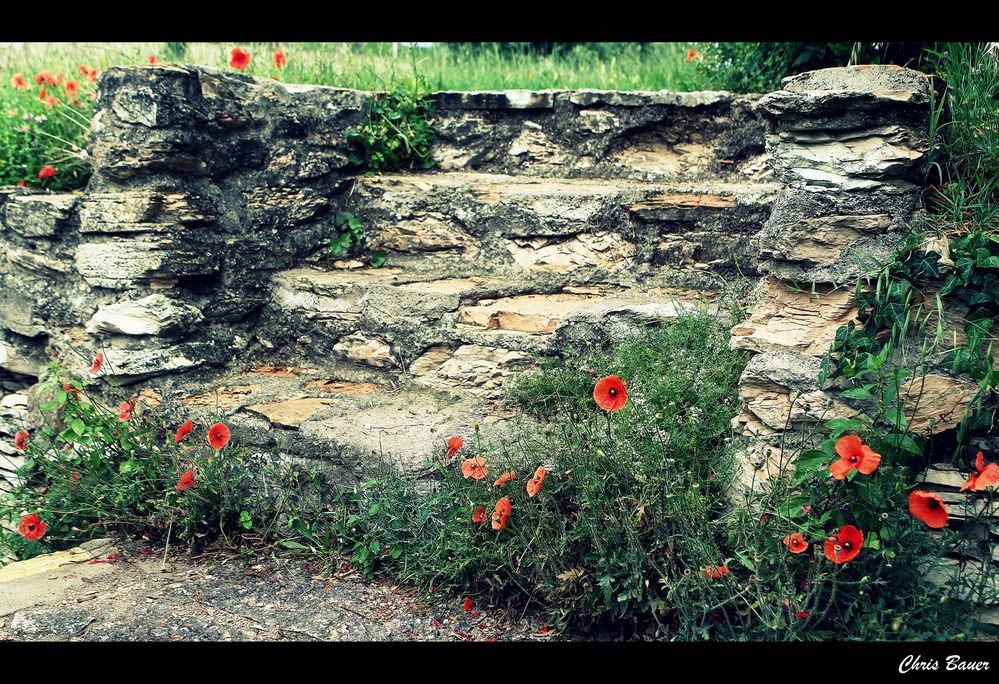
(759, 67)
(966, 146)
(351, 240)
(397, 135)
(89, 471)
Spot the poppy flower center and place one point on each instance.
(932, 503)
(612, 391)
(847, 545)
(31, 527)
(853, 459)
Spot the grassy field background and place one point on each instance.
(622, 66)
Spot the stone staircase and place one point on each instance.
(197, 258)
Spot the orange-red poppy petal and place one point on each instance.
(929, 508)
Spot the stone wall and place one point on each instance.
(199, 247)
(206, 183)
(849, 148)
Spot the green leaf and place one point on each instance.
(396, 552)
(374, 509)
(289, 544)
(378, 258)
(856, 393)
(48, 406)
(126, 467)
(375, 546)
(79, 427)
(840, 425)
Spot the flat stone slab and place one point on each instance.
(290, 413)
(43, 579)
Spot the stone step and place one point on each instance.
(520, 224)
(461, 333)
(600, 134)
(311, 415)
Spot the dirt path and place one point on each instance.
(108, 591)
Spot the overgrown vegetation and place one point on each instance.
(351, 240)
(397, 135)
(91, 470)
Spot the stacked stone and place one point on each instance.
(849, 147)
(204, 183)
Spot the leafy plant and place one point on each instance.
(398, 133)
(351, 239)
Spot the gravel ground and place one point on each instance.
(119, 593)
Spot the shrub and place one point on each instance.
(91, 469)
(398, 133)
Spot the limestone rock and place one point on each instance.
(538, 314)
(292, 412)
(798, 321)
(39, 215)
(608, 250)
(779, 391)
(120, 264)
(939, 402)
(360, 349)
(143, 211)
(156, 314)
(471, 367)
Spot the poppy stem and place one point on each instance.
(610, 436)
(166, 549)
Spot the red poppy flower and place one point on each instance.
(183, 431)
(61, 79)
(75, 475)
(17, 80)
(796, 542)
(93, 75)
(693, 54)
(50, 79)
(21, 440)
(84, 70)
(534, 484)
(31, 527)
(453, 445)
(844, 546)
(984, 476)
(929, 508)
(239, 58)
(125, 409)
(69, 389)
(504, 478)
(42, 77)
(716, 571)
(500, 513)
(468, 604)
(610, 393)
(279, 59)
(186, 481)
(802, 614)
(474, 468)
(42, 94)
(72, 88)
(479, 516)
(853, 454)
(21, 184)
(152, 59)
(52, 101)
(218, 435)
(47, 171)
